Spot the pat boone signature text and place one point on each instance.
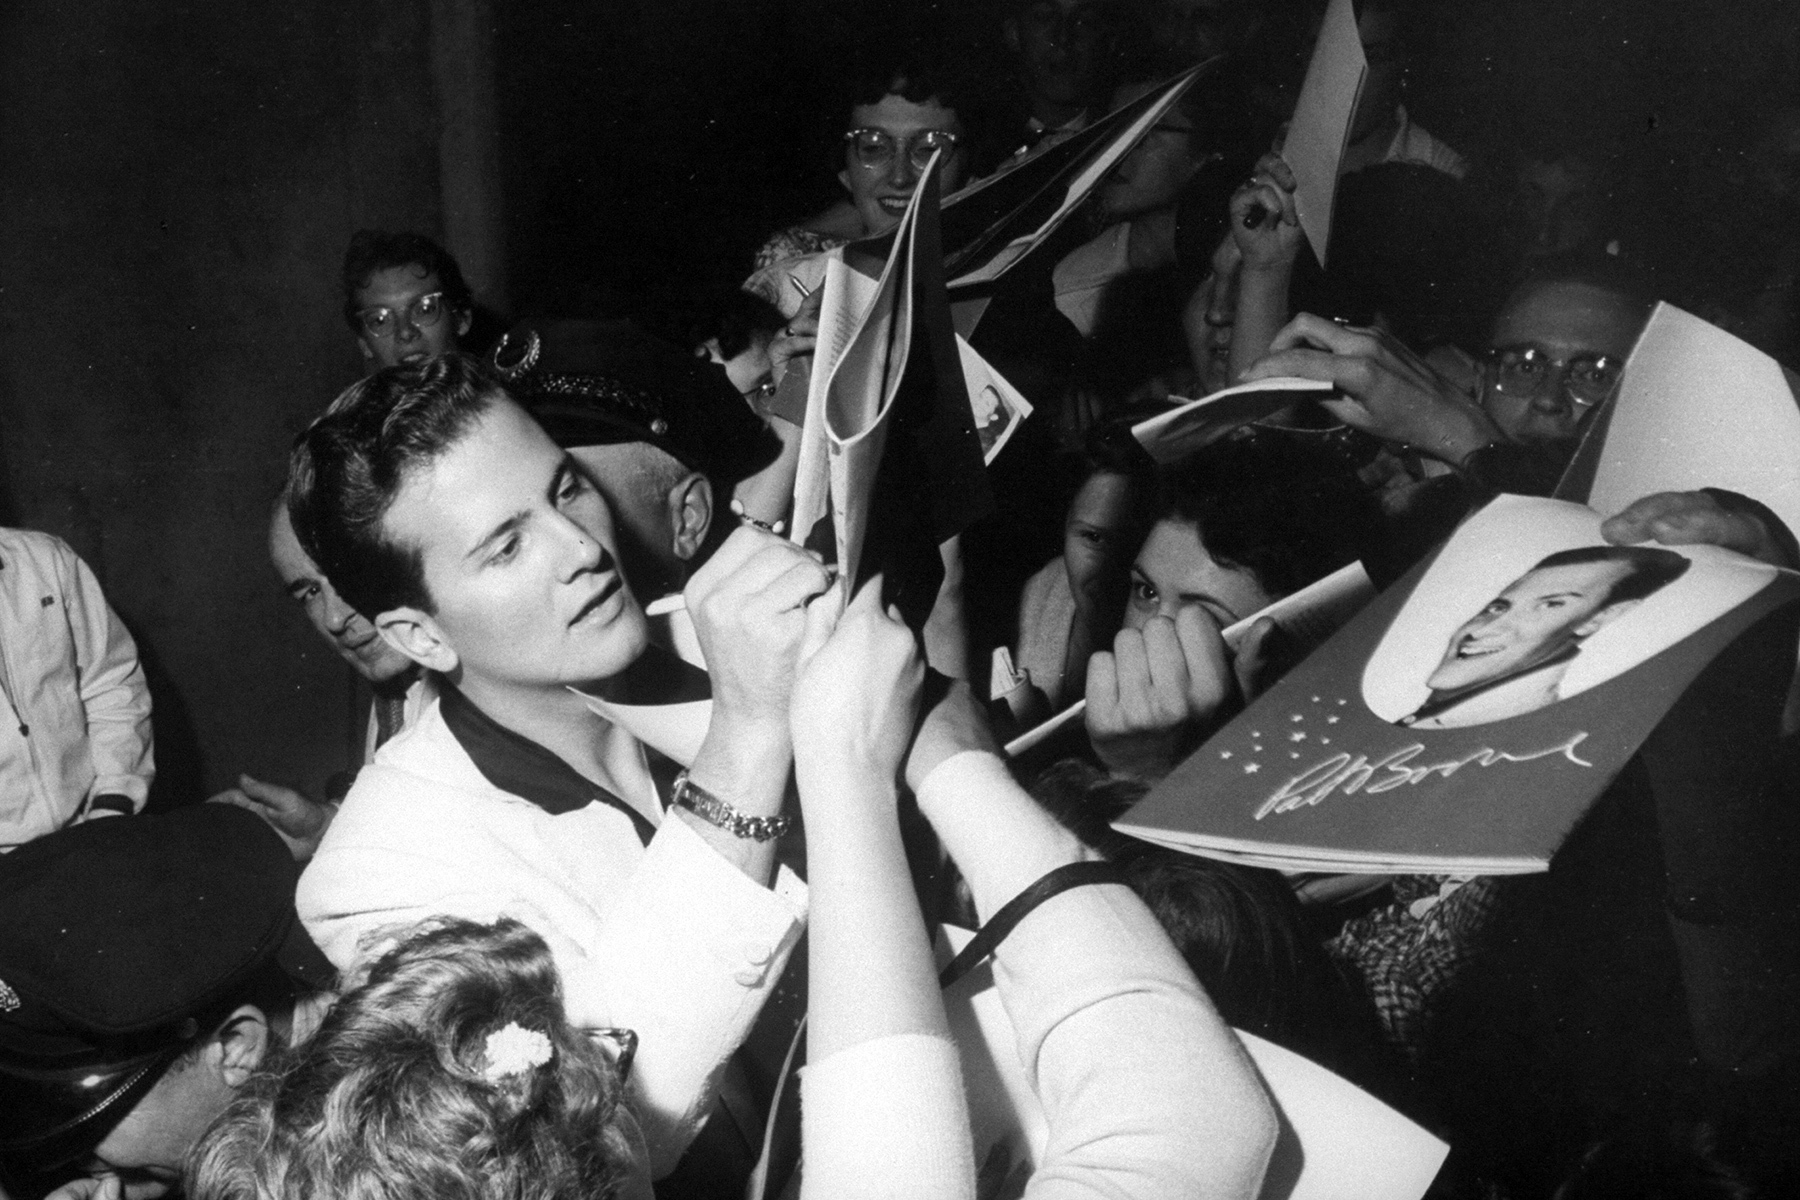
(1342, 772)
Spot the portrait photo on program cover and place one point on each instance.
(1465, 719)
(1528, 606)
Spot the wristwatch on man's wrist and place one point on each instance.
(714, 811)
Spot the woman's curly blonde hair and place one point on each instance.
(392, 1097)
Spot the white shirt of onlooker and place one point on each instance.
(74, 708)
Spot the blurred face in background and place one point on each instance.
(1386, 55)
(1099, 535)
(1219, 295)
(1192, 31)
(1152, 175)
(1560, 204)
(351, 634)
(1062, 47)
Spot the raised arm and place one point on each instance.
(1727, 825)
(1146, 1091)
(1390, 391)
(883, 1112)
(748, 604)
(1265, 231)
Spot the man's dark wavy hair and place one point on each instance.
(373, 250)
(394, 1097)
(350, 464)
(1651, 569)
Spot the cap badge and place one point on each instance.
(511, 361)
(659, 426)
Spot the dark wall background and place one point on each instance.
(178, 181)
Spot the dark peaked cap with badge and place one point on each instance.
(123, 941)
(598, 383)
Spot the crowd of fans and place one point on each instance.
(516, 951)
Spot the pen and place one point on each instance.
(662, 606)
(798, 286)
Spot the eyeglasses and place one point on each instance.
(382, 321)
(875, 149)
(1525, 371)
(621, 1045)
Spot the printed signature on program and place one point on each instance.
(1358, 773)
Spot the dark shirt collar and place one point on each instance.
(515, 764)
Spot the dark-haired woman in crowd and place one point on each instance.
(1238, 526)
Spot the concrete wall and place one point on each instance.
(177, 183)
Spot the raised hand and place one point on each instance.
(1158, 686)
(857, 693)
(798, 338)
(1270, 241)
(1698, 518)
(1392, 392)
(748, 604)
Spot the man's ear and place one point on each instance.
(242, 1043)
(416, 634)
(690, 514)
(844, 178)
(464, 320)
(1604, 617)
(368, 351)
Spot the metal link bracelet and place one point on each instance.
(714, 811)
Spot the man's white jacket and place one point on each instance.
(666, 938)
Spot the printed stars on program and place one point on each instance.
(1297, 734)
